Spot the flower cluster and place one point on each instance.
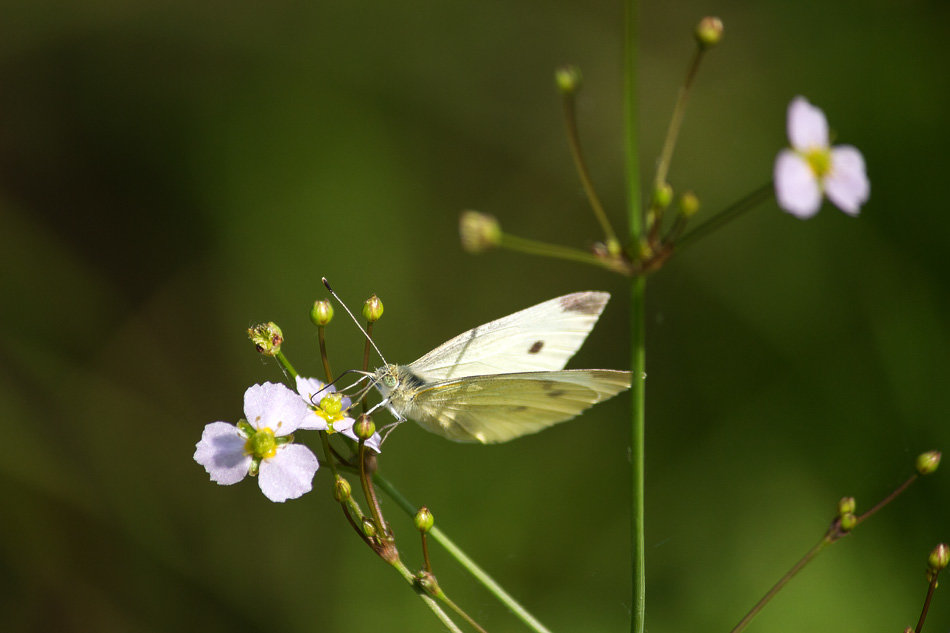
(262, 443)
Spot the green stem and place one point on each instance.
(286, 366)
(676, 122)
(477, 572)
(570, 122)
(807, 558)
(533, 247)
(930, 595)
(728, 214)
(429, 600)
(637, 318)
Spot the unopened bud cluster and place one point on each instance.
(846, 518)
(479, 231)
(266, 337)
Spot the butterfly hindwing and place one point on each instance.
(501, 407)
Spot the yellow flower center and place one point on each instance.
(819, 159)
(261, 445)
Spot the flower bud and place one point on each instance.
(424, 519)
(927, 462)
(708, 32)
(847, 521)
(321, 313)
(847, 505)
(939, 558)
(373, 309)
(266, 337)
(689, 204)
(369, 528)
(479, 231)
(568, 79)
(341, 489)
(663, 196)
(364, 427)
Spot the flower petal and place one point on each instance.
(288, 474)
(221, 452)
(312, 391)
(796, 187)
(847, 184)
(274, 406)
(807, 126)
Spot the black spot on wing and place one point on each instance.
(556, 393)
(583, 302)
(536, 347)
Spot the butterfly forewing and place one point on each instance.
(540, 338)
(501, 407)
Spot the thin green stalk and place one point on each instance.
(570, 122)
(728, 214)
(676, 122)
(923, 612)
(534, 247)
(477, 572)
(637, 318)
(807, 558)
(429, 600)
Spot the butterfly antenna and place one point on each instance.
(368, 337)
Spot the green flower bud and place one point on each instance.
(373, 309)
(321, 313)
(364, 427)
(663, 196)
(568, 79)
(939, 558)
(848, 521)
(847, 505)
(266, 337)
(709, 32)
(927, 462)
(479, 231)
(424, 519)
(341, 489)
(689, 204)
(369, 528)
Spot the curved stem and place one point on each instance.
(570, 122)
(429, 600)
(533, 247)
(471, 566)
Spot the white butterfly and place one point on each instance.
(506, 378)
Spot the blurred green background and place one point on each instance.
(173, 172)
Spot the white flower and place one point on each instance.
(261, 445)
(328, 410)
(811, 167)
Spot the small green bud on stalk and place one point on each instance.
(847, 505)
(939, 558)
(424, 519)
(341, 490)
(689, 204)
(848, 521)
(663, 196)
(321, 313)
(709, 32)
(928, 462)
(373, 309)
(568, 79)
(368, 528)
(478, 231)
(266, 337)
(364, 427)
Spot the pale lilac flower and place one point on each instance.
(812, 168)
(329, 410)
(261, 445)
